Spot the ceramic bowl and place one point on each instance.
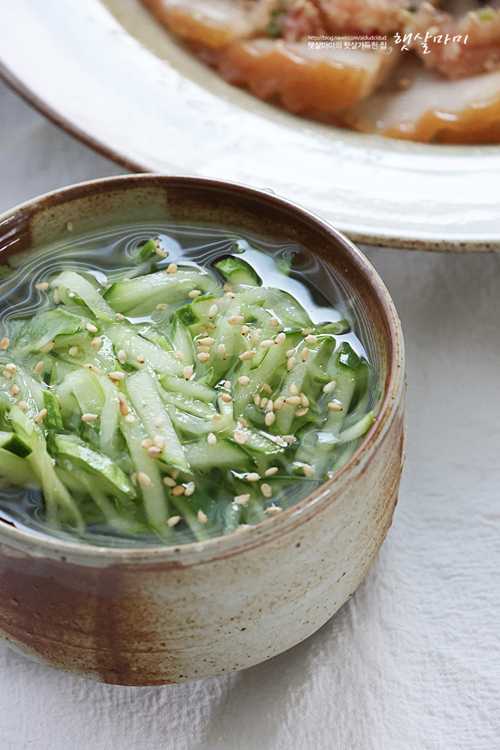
(162, 615)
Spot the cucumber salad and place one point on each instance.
(175, 403)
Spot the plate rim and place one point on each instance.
(375, 238)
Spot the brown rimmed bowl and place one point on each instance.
(153, 616)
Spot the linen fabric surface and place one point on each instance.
(411, 662)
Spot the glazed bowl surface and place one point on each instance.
(160, 615)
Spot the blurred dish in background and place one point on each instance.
(392, 67)
(110, 74)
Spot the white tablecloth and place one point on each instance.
(412, 661)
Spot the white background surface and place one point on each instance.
(412, 661)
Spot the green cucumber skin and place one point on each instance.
(98, 457)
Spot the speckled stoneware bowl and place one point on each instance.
(168, 614)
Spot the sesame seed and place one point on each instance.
(43, 286)
(244, 330)
(11, 367)
(228, 385)
(240, 437)
(91, 328)
(56, 296)
(280, 338)
(278, 403)
(302, 411)
(94, 369)
(289, 439)
(146, 444)
(243, 422)
(221, 350)
(202, 517)
(304, 400)
(190, 488)
(89, 417)
(266, 490)
(307, 331)
(161, 252)
(158, 441)
(69, 226)
(308, 470)
(267, 344)
(294, 400)
(53, 461)
(335, 406)
(169, 481)
(229, 295)
(217, 417)
(203, 350)
(22, 405)
(210, 326)
(203, 356)
(270, 417)
(73, 351)
(310, 339)
(174, 473)
(116, 375)
(207, 341)
(267, 388)
(143, 479)
(173, 521)
(244, 380)
(247, 355)
(188, 372)
(122, 356)
(328, 388)
(15, 389)
(120, 316)
(273, 510)
(162, 306)
(252, 477)
(242, 528)
(194, 293)
(274, 322)
(256, 400)
(4, 343)
(154, 451)
(48, 347)
(159, 423)
(255, 336)
(41, 415)
(305, 352)
(290, 363)
(281, 442)
(271, 471)
(227, 288)
(7, 375)
(202, 331)
(226, 398)
(242, 499)
(235, 320)
(270, 405)
(211, 438)
(290, 353)
(141, 359)
(97, 341)
(293, 389)
(130, 419)
(172, 268)
(38, 367)
(264, 402)
(213, 311)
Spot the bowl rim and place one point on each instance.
(222, 545)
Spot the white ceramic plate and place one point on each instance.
(108, 73)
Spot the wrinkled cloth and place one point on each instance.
(411, 662)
